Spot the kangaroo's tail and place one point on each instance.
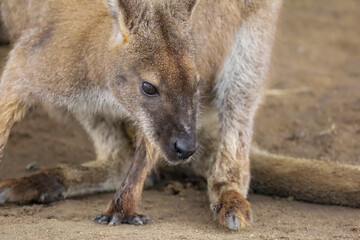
(308, 180)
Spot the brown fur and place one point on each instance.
(12, 110)
(128, 195)
(36, 188)
(309, 180)
(90, 58)
(233, 203)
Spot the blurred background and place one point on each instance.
(316, 66)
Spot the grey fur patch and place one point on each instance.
(44, 38)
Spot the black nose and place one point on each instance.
(185, 148)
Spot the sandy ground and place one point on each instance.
(317, 54)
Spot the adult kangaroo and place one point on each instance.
(182, 72)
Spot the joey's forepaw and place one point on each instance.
(43, 187)
(233, 210)
(117, 219)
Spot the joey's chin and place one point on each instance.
(174, 159)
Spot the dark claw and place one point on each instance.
(232, 222)
(146, 219)
(137, 220)
(44, 198)
(217, 208)
(133, 220)
(3, 193)
(102, 219)
(115, 220)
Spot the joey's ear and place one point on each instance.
(183, 9)
(189, 5)
(124, 13)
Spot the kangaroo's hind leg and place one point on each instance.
(103, 174)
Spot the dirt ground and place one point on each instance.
(317, 58)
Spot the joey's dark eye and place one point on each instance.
(149, 90)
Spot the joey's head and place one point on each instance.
(152, 72)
